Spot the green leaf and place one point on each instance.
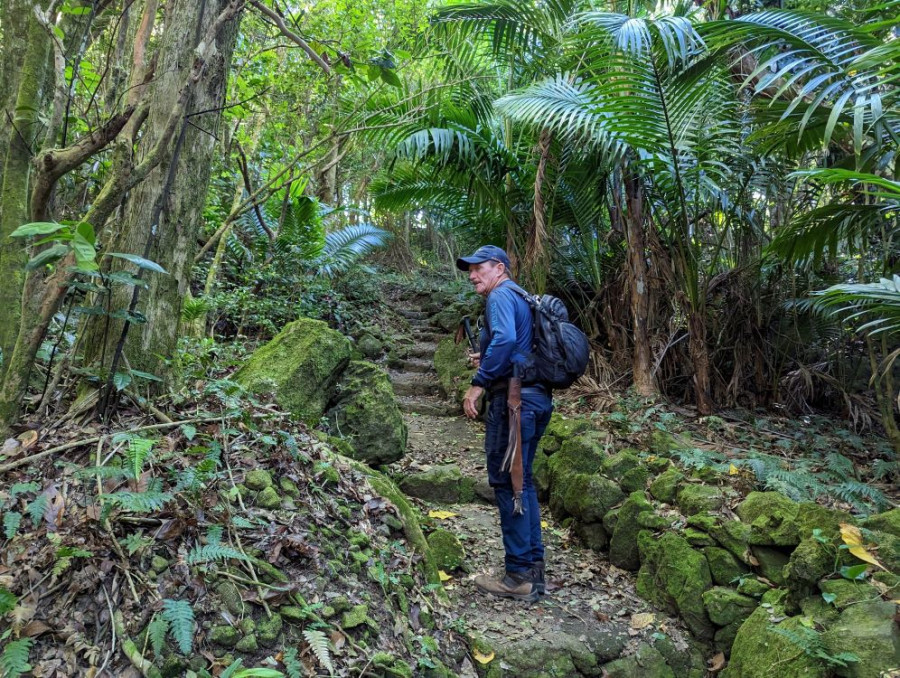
(85, 254)
(854, 572)
(37, 508)
(121, 380)
(145, 375)
(180, 616)
(373, 72)
(189, 431)
(139, 261)
(157, 630)
(23, 488)
(36, 228)
(86, 231)
(829, 597)
(14, 660)
(391, 78)
(7, 601)
(48, 256)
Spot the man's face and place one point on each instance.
(484, 276)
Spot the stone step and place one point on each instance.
(413, 384)
(414, 315)
(430, 406)
(428, 336)
(423, 350)
(417, 365)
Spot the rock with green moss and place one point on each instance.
(589, 497)
(753, 587)
(867, 631)
(224, 635)
(268, 629)
(726, 606)
(355, 616)
(845, 592)
(620, 463)
(646, 662)
(230, 596)
(697, 537)
(554, 653)
(592, 534)
(758, 648)
(583, 453)
(733, 535)
(248, 644)
(369, 346)
(450, 364)
(301, 366)
(540, 475)
(623, 548)
(268, 499)
(635, 479)
(390, 666)
(674, 576)
(289, 487)
(258, 479)
(366, 412)
(723, 566)
(665, 487)
(693, 498)
(809, 562)
(440, 484)
(686, 658)
(562, 428)
(773, 519)
(772, 562)
(548, 445)
(662, 443)
(887, 547)
(610, 520)
(447, 550)
(888, 522)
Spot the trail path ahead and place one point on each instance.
(591, 614)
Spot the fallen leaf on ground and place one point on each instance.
(483, 658)
(441, 515)
(11, 448)
(28, 439)
(444, 576)
(545, 524)
(717, 663)
(853, 538)
(641, 620)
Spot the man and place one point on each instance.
(505, 344)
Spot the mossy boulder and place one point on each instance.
(562, 428)
(258, 479)
(443, 484)
(355, 616)
(726, 606)
(268, 499)
(665, 487)
(869, 632)
(450, 364)
(773, 519)
(888, 548)
(888, 522)
(674, 576)
(620, 463)
(723, 566)
(224, 635)
(589, 497)
(758, 648)
(733, 535)
(848, 592)
(635, 479)
(300, 366)
(268, 629)
(772, 562)
(623, 548)
(248, 644)
(592, 534)
(366, 413)
(583, 453)
(446, 550)
(369, 346)
(663, 443)
(693, 498)
(646, 662)
(540, 474)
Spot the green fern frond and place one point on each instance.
(8, 601)
(180, 616)
(839, 465)
(292, 663)
(139, 502)
(810, 641)
(156, 631)
(213, 552)
(11, 522)
(214, 535)
(23, 488)
(885, 468)
(862, 496)
(138, 451)
(105, 472)
(14, 660)
(37, 508)
(318, 643)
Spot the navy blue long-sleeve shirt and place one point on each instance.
(507, 336)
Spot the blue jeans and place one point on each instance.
(521, 533)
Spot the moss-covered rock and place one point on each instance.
(623, 548)
(674, 576)
(635, 479)
(583, 453)
(723, 566)
(620, 463)
(355, 616)
(733, 535)
(646, 662)
(248, 644)
(693, 498)
(440, 484)
(258, 479)
(289, 487)
(369, 346)
(447, 550)
(753, 587)
(809, 562)
(848, 592)
(268, 629)
(450, 364)
(888, 522)
(268, 499)
(663, 443)
(589, 497)
(686, 658)
(888, 548)
(610, 520)
(868, 631)
(365, 412)
(592, 534)
(230, 596)
(772, 563)
(696, 537)
(540, 474)
(301, 366)
(562, 428)
(726, 606)
(224, 635)
(773, 519)
(665, 487)
(758, 648)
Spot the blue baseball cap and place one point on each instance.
(482, 254)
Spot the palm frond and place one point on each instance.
(345, 247)
(874, 308)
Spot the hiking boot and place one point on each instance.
(538, 577)
(518, 585)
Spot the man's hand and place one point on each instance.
(473, 359)
(470, 402)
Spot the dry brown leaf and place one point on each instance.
(641, 620)
(11, 448)
(34, 628)
(717, 663)
(56, 507)
(28, 439)
(752, 559)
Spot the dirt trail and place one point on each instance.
(591, 614)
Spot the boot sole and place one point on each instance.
(525, 598)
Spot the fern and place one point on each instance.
(241, 522)
(138, 451)
(23, 488)
(8, 601)
(318, 643)
(37, 508)
(884, 468)
(839, 465)
(11, 522)
(156, 631)
(810, 641)
(180, 616)
(139, 502)
(292, 663)
(214, 535)
(105, 472)
(863, 497)
(212, 552)
(14, 660)
(232, 668)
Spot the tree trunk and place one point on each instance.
(178, 201)
(700, 358)
(642, 363)
(26, 55)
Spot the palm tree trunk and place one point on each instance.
(700, 358)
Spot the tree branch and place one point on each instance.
(288, 33)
